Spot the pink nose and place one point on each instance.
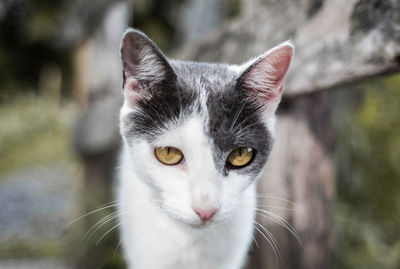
(205, 214)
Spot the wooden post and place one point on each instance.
(97, 140)
(311, 180)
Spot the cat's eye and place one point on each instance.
(169, 155)
(240, 157)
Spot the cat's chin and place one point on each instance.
(206, 224)
(192, 222)
(197, 223)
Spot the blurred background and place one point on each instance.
(337, 154)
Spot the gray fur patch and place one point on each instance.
(235, 121)
(231, 118)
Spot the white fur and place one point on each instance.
(159, 227)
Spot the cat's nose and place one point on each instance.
(205, 213)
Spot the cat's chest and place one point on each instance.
(174, 247)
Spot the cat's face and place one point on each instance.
(198, 134)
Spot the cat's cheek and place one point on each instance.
(176, 200)
(234, 187)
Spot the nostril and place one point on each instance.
(205, 214)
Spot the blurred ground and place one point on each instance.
(33, 264)
(36, 205)
(39, 183)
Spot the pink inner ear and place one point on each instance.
(264, 79)
(131, 90)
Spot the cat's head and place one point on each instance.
(199, 134)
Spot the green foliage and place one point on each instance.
(154, 18)
(26, 30)
(33, 131)
(233, 8)
(42, 248)
(367, 219)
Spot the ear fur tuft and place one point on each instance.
(263, 77)
(143, 62)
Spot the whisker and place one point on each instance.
(282, 222)
(278, 219)
(108, 205)
(115, 215)
(269, 233)
(100, 224)
(103, 221)
(266, 238)
(274, 194)
(115, 251)
(254, 239)
(276, 207)
(104, 235)
(281, 199)
(275, 244)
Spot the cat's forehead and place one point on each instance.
(207, 89)
(208, 76)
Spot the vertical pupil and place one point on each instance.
(168, 150)
(240, 151)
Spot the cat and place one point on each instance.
(196, 137)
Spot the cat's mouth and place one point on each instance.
(195, 222)
(201, 224)
(191, 220)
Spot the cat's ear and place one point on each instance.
(263, 77)
(144, 66)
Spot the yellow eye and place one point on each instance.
(169, 155)
(239, 157)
